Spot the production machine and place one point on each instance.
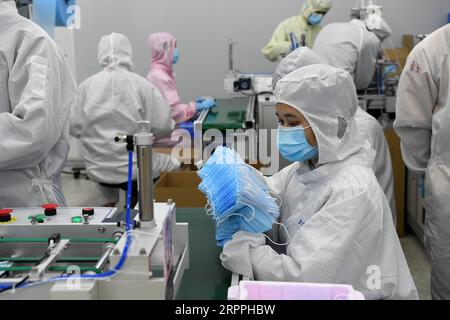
(96, 253)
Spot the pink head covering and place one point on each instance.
(162, 45)
(162, 77)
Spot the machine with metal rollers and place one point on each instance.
(96, 253)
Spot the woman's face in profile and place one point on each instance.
(289, 117)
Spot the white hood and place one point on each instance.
(298, 58)
(7, 6)
(326, 96)
(378, 26)
(115, 50)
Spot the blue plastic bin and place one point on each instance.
(188, 125)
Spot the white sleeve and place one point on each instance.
(367, 58)
(321, 249)
(158, 112)
(417, 95)
(383, 168)
(77, 115)
(42, 108)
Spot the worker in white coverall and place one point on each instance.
(355, 46)
(110, 103)
(36, 92)
(338, 223)
(368, 126)
(422, 123)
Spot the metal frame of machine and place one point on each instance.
(45, 246)
(250, 123)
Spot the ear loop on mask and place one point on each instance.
(241, 215)
(287, 233)
(252, 217)
(209, 209)
(243, 171)
(294, 128)
(274, 195)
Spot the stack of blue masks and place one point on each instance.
(238, 198)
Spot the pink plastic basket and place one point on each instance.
(267, 290)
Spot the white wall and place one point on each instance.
(203, 28)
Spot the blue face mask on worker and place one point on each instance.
(293, 144)
(176, 56)
(315, 18)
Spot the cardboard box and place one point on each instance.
(182, 188)
(399, 170)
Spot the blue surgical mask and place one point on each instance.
(238, 198)
(315, 18)
(293, 145)
(248, 218)
(176, 55)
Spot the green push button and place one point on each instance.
(40, 218)
(77, 219)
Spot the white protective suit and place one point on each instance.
(111, 103)
(298, 58)
(371, 129)
(368, 126)
(422, 123)
(352, 47)
(36, 91)
(335, 212)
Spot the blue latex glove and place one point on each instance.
(203, 104)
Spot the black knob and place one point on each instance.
(50, 212)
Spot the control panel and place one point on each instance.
(41, 222)
(51, 214)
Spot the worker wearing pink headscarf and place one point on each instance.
(164, 56)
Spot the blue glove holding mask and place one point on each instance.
(203, 104)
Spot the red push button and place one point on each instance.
(50, 209)
(50, 206)
(88, 211)
(5, 215)
(4, 212)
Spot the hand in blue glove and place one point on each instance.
(205, 104)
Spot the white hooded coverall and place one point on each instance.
(368, 126)
(36, 92)
(352, 47)
(112, 102)
(335, 212)
(423, 125)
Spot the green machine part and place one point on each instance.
(229, 114)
